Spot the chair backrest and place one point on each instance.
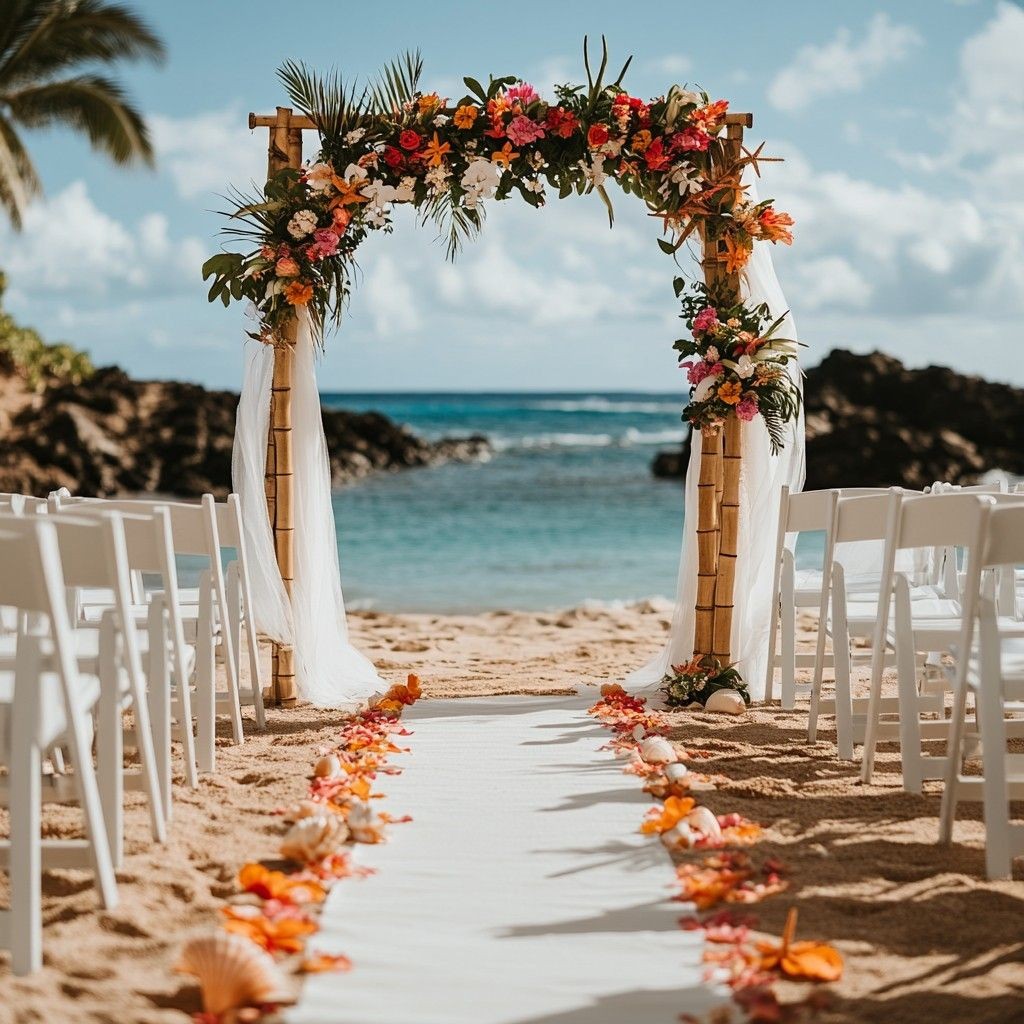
(32, 577)
(860, 518)
(22, 504)
(1004, 541)
(948, 519)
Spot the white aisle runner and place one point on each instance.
(521, 893)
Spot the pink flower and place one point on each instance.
(286, 267)
(690, 139)
(705, 319)
(747, 409)
(524, 93)
(698, 371)
(522, 131)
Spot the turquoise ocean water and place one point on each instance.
(566, 511)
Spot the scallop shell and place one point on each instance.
(728, 702)
(676, 771)
(312, 839)
(658, 750)
(639, 733)
(704, 821)
(232, 972)
(328, 767)
(364, 825)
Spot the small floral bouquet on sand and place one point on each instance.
(695, 681)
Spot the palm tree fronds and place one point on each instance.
(91, 104)
(335, 107)
(397, 83)
(44, 37)
(19, 181)
(454, 223)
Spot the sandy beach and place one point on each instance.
(924, 936)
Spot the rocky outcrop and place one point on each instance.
(114, 435)
(872, 422)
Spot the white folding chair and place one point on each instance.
(993, 670)
(795, 589)
(194, 532)
(43, 701)
(929, 626)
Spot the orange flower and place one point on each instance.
(298, 293)
(668, 816)
(814, 961)
(348, 192)
(466, 115)
(709, 117)
(774, 226)
(736, 255)
(321, 963)
(281, 935)
(276, 885)
(402, 693)
(730, 392)
(641, 140)
(434, 151)
(429, 103)
(504, 156)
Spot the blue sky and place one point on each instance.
(902, 125)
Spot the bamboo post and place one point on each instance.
(284, 150)
(718, 488)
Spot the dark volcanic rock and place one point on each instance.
(871, 422)
(114, 435)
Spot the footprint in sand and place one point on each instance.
(415, 646)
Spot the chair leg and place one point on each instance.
(995, 793)
(160, 702)
(206, 692)
(844, 699)
(184, 713)
(26, 931)
(787, 682)
(909, 702)
(954, 755)
(110, 743)
(147, 756)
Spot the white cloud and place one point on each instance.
(210, 151)
(69, 245)
(841, 65)
(831, 281)
(671, 64)
(390, 299)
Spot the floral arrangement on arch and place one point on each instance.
(740, 364)
(393, 144)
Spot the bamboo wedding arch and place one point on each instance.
(721, 449)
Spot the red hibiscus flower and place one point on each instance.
(393, 157)
(655, 156)
(409, 139)
(597, 136)
(561, 122)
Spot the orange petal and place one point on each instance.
(321, 963)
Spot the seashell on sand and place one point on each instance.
(327, 767)
(727, 702)
(676, 771)
(305, 809)
(312, 839)
(658, 750)
(704, 821)
(638, 733)
(680, 837)
(232, 972)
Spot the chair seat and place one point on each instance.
(52, 717)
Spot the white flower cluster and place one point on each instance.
(480, 180)
(302, 224)
(685, 177)
(594, 171)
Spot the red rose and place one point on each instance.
(393, 157)
(561, 122)
(655, 156)
(409, 139)
(597, 136)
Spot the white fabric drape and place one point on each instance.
(329, 671)
(761, 480)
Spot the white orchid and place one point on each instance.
(441, 120)
(437, 178)
(704, 388)
(744, 367)
(406, 190)
(355, 173)
(534, 186)
(379, 194)
(480, 179)
(594, 171)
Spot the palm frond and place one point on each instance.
(454, 223)
(335, 108)
(19, 181)
(91, 104)
(397, 83)
(42, 38)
